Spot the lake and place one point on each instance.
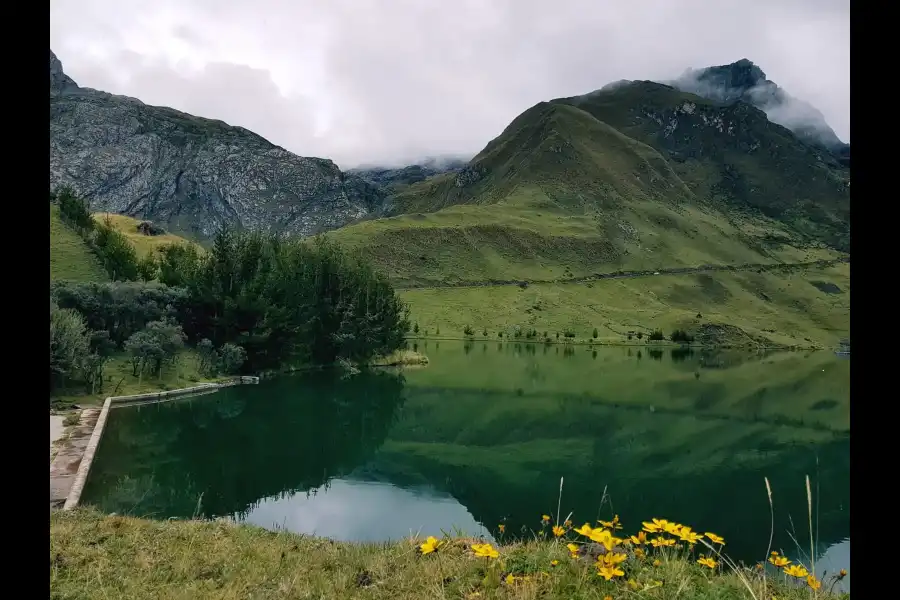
(483, 435)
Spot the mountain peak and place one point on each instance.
(59, 81)
(744, 81)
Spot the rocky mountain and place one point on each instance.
(189, 173)
(745, 82)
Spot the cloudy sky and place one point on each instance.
(389, 81)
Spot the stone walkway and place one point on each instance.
(65, 464)
(56, 430)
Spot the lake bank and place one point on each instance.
(121, 557)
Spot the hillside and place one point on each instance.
(636, 177)
(70, 257)
(562, 188)
(72, 260)
(188, 173)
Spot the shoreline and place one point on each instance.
(655, 344)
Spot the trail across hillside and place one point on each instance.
(631, 274)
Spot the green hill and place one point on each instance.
(70, 257)
(637, 178)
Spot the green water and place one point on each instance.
(482, 436)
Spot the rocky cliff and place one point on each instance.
(745, 82)
(190, 173)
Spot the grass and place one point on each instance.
(143, 244)
(96, 556)
(119, 381)
(754, 309)
(400, 358)
(70, 257)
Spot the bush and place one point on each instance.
(569, 334)
(468, 331)
(115, 252)
(629, 337)
(69, 346)
(657, 336)
(595, 333)
(485, 332)
(640, 334)
(679, 335)
(416, 328)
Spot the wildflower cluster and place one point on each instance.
(616, 556)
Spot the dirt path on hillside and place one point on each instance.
(633, 274)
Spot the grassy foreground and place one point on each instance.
(96, 556)
(70, 257)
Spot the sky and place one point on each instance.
(389, 82)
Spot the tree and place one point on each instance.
(484, 332)
(208, 356)
(115, 253)
(640, 334)
(416, 328)
(152, 346)
(468, 331)
(73, 210)
(231, 358)
(147, 268)
(596, 333)
(657, 336)
(69, 345)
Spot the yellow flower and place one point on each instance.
(485, 551)
(707, 562)
(604, 537)
(554, 562)
(842, 574)
(639, 552)
(431, 545)
(661, 542)
(689, 536)
(584, 530)
(779, 561)
(573, 548)
(633, 584)
(656, 526)
(796, 571)
(640, 538)
(608, 572)
(612, 559)
(812, 582)
(558, 531)
(614, 524)
(607, 598)
(759, 566)
(545, 518)
(501, 527)
(656, 563)
(673, 528)
(568, 523)
(715, 539)
(510, 579)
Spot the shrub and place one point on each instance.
(468, 330)
(640, 334)
(595, 333)
(569, 334)
(679, 335)
(657, 336)
(73, 210)
(416, 328)
(485, 332)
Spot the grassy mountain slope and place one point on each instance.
(638, 177)
(70, 257)
(559, 189)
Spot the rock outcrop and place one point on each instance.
(189, 173)
(745, 82)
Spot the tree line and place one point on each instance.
(254, 301)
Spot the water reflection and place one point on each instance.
(366, 511)
(480, 438)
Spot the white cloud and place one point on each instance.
(392, 80)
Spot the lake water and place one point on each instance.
(482, 436)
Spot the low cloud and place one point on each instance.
(363, 81)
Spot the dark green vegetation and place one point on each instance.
(252, 302)
(492, 426)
